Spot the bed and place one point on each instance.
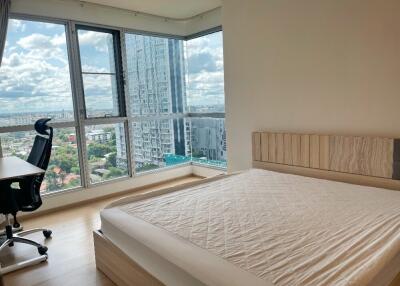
(262, 227)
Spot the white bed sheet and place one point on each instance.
(263, 228)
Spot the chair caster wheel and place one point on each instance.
(16, 225)
(47, 233)
(42, 250)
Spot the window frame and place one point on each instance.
(125, 116)
(119, 75)
(83, 120)
(213, 115)
(61, 124)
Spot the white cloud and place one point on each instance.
(50, 25)
(96, 39)
(59, 40)
(88, 68)
(206, 88)
(35, 74)
(14, 60)
(35, 41)
(205, 80)
(16, 25)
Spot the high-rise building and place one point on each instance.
(208, 138)
(156, 86)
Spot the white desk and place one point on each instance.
(13, 167)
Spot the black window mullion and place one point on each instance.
(119, 73)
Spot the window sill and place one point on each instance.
(197, 169)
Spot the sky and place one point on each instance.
(205, 70)
(34, 74)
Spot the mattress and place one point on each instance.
(262, 228)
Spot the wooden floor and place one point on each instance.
(71, 256)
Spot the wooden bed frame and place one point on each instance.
(114, 263)
(119, 267)
(362, 160)
(371, 161)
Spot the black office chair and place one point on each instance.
(27, 198)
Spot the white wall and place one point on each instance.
(103, 15)
(330, 66)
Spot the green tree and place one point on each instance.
(98, 150)
(111, 160)
(65, 157)
(114, 173)
(51, 179)
(75, 170)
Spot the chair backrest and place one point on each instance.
(40, 157)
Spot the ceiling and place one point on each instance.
(176, 9)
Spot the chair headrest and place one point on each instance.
(41, 126)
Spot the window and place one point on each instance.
(159, 143)
(155, 75)
(34, 74)
(169, 76)
(205, 94)
(105, 134)
(63, 171)
(156, 87)
(106, 152)
(205, 73)
(99, 56)
(208, 141)
(35, 83)
(156, 102)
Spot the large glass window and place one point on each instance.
(34, 74)
(156, 87)
(155, 75)
(208, 141)
(159, 143)
(106, 152)
(205, 73)
(167, 77)
(205, 94)
(173, 88)
(99, 59)
(100, 63)
(63, 171)
(35, 83)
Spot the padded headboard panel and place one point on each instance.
(356, 159)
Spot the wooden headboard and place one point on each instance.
(372, 161)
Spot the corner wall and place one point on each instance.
(329, 66)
